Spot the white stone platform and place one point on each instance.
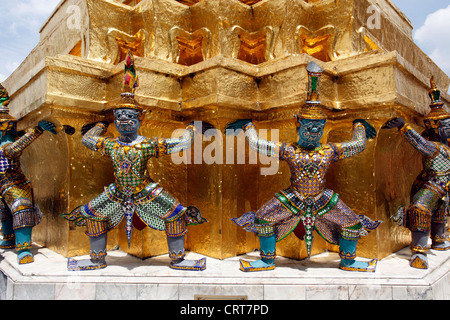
(129, 278)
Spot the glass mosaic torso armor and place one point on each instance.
(308, 167)
(129, 162)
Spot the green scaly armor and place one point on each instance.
(130, 163)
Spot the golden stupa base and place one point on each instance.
(246, 62)
(374, 183)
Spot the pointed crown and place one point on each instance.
(434, 93)
(437, 106)
(311, 110)
(129, 85)
(4, 108)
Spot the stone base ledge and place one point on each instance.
(130, 278)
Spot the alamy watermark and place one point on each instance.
(74, 17)
(215, 147)
(374, 20)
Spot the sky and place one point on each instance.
(20, 24)
(22, 19)
(431, 20)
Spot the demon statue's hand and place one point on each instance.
(194, 216)
(394, 123)
(47, 126)
(370, 130)
(236, 126)
(68, 130)
(89, 126)
(205, 126)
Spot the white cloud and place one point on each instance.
(29, 14)
(10, 66)
(35, 7)
(20, 24)
(434, 38)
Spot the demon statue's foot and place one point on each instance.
(258, 265)
(9, 238)
(98, 256)
(23, 245)
(85, 265)
(441, 246)
(8, 242)
(190, 265)
(419, 261)
(25, 257)
(354, 265)
(177, 254)
(347, 252)
(439, 239)
(268, 255)
(419, 249)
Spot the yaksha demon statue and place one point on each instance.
(19, 213)
(134, 196)
(426, 214)
(306, 205)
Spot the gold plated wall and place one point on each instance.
(63, 175)
(218, 61)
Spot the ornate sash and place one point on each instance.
(309, 208)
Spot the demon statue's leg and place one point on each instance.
(9, 238)
(419, 242)
(98, 255)
(177, 254)
(347, 252)
(268, 255)
(23, 245)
